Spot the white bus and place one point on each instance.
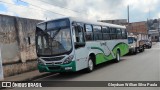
(71, 44)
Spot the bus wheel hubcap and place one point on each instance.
(118, 57)
(90, 64)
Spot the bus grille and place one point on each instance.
(54, 67)
(53, 59)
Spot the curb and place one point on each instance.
(38, 76)
(27, 76)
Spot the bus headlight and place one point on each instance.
(40, 62)
(68, 60)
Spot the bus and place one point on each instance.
(72, 44)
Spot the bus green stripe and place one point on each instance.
(97, 48)
(101, 57)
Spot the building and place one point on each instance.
(154, 29)
(155, 35)
(138, 28)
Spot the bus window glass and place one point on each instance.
(54, 40)
(97, 33)
(79, 34)
(113, 33)
(124, 34)
(119, 33)
(106, 33)
(88, 33)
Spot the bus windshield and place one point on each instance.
(130, 40)
(54, 41)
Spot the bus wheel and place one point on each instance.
(90, 65)
(117, 56)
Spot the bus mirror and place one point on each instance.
(79, 44)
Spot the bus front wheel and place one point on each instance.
(90, 65)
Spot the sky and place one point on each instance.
(140, 10)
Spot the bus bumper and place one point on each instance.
(71, 67)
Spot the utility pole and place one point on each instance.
(149, 14)
(148, 36)
(128, 25)
(128, 13)
(159, 29)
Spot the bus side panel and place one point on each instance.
(123, 47)
(118, 44)
(113, 46)
(98, 49)
(107, 53)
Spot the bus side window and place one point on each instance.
(119, 33)
(113, 33)
(97, 32)
(124, 34)
(79, 37)
(106, 33)
(88, 33)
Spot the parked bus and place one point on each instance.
(71, 44)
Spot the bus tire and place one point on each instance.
(90, 67)
(117, 56)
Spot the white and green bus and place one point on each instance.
(71, 44)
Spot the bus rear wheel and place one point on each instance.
(117, 56)
(90, 65)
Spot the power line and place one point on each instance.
(59, 6)
(52, 5)
(41, 9)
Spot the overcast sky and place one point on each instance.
(140, 10)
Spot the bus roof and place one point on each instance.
(87, 22)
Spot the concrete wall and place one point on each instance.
(18, 55)
(8, 39)
(26, 29)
